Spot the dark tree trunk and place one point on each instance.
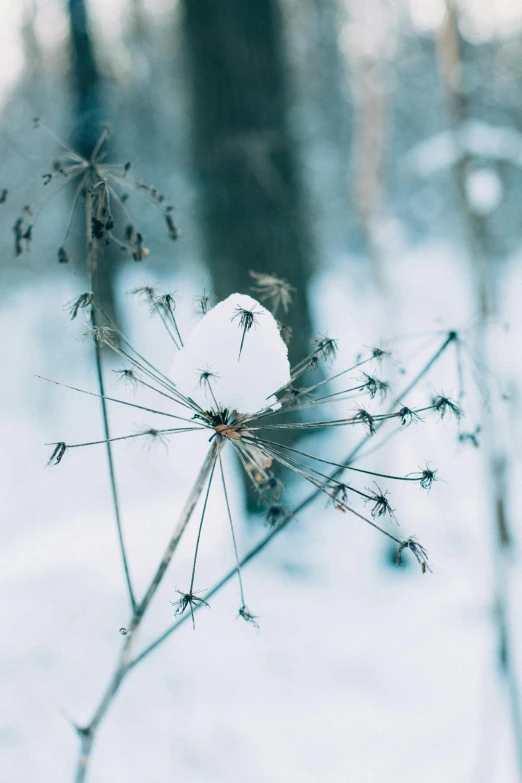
(250, 195)
(88, 123)
(86, 79)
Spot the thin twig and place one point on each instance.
(92, 256)
(301, 506)
(87, 734)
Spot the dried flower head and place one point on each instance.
(190, 600)
(246, 615)
(102, 190)
(247, 319)
(271, 289)
(340, 495)
(445, 405)
(275, 514)
(417, 550)
(381, 504)
(374, 386)
(128, 376)
(203, 303)
(58, 453)
(242, 406)
(407, 416)
(366, 418)
(324, 348)
(82, 302)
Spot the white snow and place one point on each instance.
(241, 381)
(484, 190)
(359, 672)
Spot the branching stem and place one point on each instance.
(87, 733)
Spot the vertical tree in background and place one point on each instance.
(454, 66)
(89, 116)
(251, 201)
(86, 80)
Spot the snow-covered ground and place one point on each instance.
(359, 671)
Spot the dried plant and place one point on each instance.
(250, 434)
(251, 437)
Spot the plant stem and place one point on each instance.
(88, 733)
(92, 255)
(483, 267)
(450, 339)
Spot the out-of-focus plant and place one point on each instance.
(232, 380)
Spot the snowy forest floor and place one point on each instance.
(359, 672)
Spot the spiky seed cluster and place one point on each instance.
(273, 290)
(407, 416)
(81, 303)
(381, 504)
(446, 406)
(58, 454)
(247, 319)
(340, 495)
(104, 187)
(249, 435)
(246, 615)
(324, 348)
(275, 514)
(366, 418)
(203, 303)
(374, 386)
(417, 550)
(188, 600)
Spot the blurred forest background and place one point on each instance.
(370, 154)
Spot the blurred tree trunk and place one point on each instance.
(88, 123)
(251, 199)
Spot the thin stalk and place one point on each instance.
(450, 59)
(93, 264)
(259, 547)
(87, 733)
(126, 661)
(232, 531)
